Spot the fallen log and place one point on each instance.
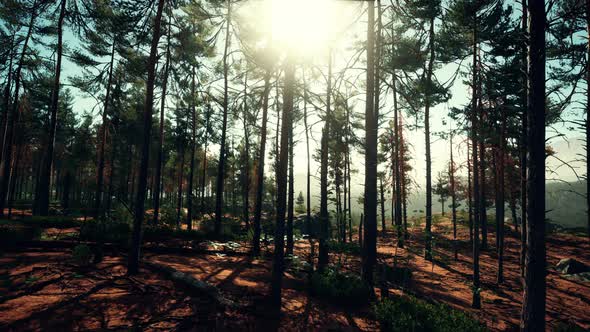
(195, 286)
(52, 245)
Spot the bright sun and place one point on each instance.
(301, 27)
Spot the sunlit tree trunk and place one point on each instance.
(429, 72)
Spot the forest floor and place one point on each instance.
(43, 288)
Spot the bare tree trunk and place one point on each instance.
(428, 231)
(11, 121)
(324, 216)
(369, 250)
(278, 258)
(523, 142)
(291, 196)
(382, 205)
(260, 174)
(41, 206)
(204, 175)
(500, 201)
(222, 157)
(134, 253)
(180, 180)
(103, 138)
(533, 309)
(191, 172)
(453, 198)
(476, 300)
(158, 179)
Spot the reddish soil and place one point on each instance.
(33, 284)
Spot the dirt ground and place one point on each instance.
(44, 290)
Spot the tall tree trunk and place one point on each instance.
(191, 172)
(483, 188)
(453, 198)
(260, 174)
(246, 184)
(222, 157)
(324, 215)
(533, 309)
(278, 264)
(43, 193)
(588, 120)
(476, 300)
(500, 201)
(4, 122)
(103, 138)
(158, 179)
(291, 196)
(369, 249)
(180, 182)
(428, 231)
(139, 213)
(11, 121)
(469, 193)
(382, 205)
(523, 141)
(204, 175)
(397, 164)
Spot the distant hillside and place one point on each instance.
(565, 201)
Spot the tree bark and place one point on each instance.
(139, 213)
(533, 310)
(158, 179)
(11, 121)
(260, 174)
(324, 215)
(369, 248)
(191, 172)
(278, 258)
(98, 212)
(428, 231)
(222, 157)
(476, 300)
(41, 206)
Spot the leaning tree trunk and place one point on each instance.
(222, 157)
(278, 263)
(533, 309)
(139, 209)
(369, 249)
(41, 206)
(260, 173)
(11, 121)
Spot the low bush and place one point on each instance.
(82, 255)
(11, 234)
(339, 287)
(351, 248)
(410, 314)
(106, 231)
(231, 228)
(398, 275)
(161, 233)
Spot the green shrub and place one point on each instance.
(11, 234)
(351, 248)
(107, 231)
(82, 255)
(160, 233)
(339, 287)
(397, 275)
(231, 228)
(411, 314)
